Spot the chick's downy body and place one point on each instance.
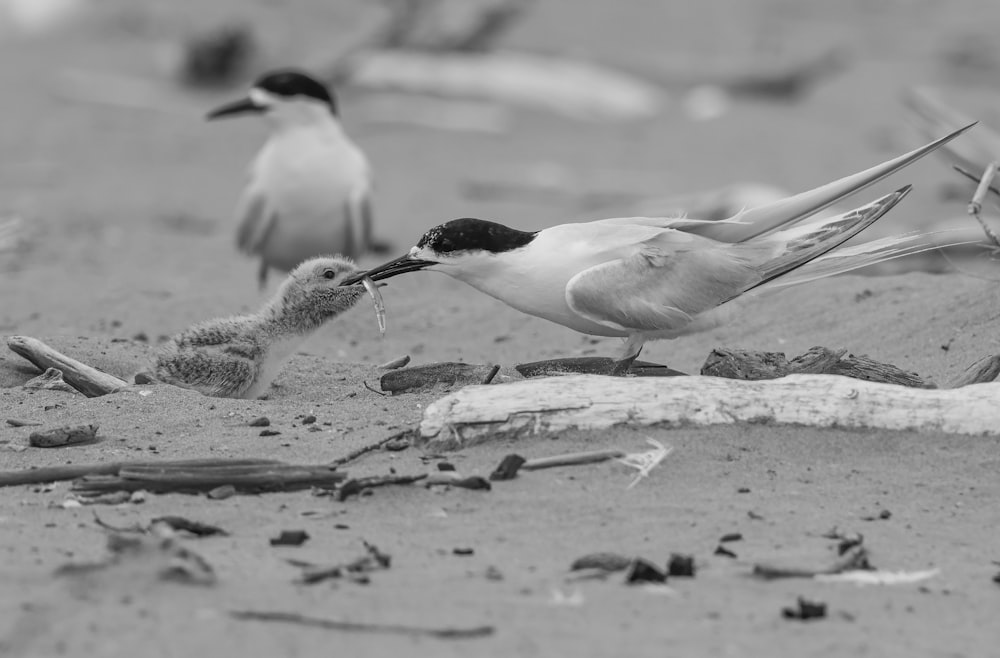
(240, 356)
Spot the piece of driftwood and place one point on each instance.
(60, 473)
(86, 379)
(245, 479)
(396, 363)
(572, 459)
(986, 369)
(534, 406)
(573, 88)
(508, 468)
(50, 380)
(447, 633)
(356, 486)
(785, 79)
(749, 365)
(852, 559)
(592, 365)
(433, 374)
(63, 436)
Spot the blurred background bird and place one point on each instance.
(310, 185)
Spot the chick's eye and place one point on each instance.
(329, 274)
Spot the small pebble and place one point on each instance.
(805, 609)
(290, 538)
(731, 536)
(223, 492)
(269, 433)
(397, 444)
(309, 420)
(462, 551)
(263, 421)
(723, 551)
(508, 468)
(445, 466)
(644, 571)
(681, 565)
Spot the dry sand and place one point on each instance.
(129, 233)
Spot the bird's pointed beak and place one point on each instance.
(242, 106)
(400, 265)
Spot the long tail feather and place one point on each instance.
(855, 257)
(755, 222)
(807, 242)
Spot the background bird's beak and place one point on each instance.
(401, 265)
(242, 106)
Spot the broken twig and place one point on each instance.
(371, 447)
(976, 205)
(248, 479)
(356, 486)
(572, 459)
(60, 473)
(448, 633)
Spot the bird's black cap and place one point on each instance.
(292, 82)
(468, 234)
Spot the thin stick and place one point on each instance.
(493, 373)
(281, 477)
(356, 486)
(371, 447)
(89, 381)
(976, 205)
(572, 459)
(975, 179)
(855, 558)
(450, 633)
(60, 473)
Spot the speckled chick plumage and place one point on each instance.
(239, 356)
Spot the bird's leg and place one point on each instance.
(262, 274)
(633, 346)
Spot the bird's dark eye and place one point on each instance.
(329, 274)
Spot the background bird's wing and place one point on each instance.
(666, 281)
(358, 209)
(256, 218)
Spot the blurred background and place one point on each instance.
(119, 197)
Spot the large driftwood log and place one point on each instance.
(86, 379)
(479, 413)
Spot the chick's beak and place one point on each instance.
(401, 265)
(242, 106)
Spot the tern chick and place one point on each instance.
(310, 186)
(646, 278)
(239, 356)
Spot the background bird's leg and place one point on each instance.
(633, 346)
(262, 274)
